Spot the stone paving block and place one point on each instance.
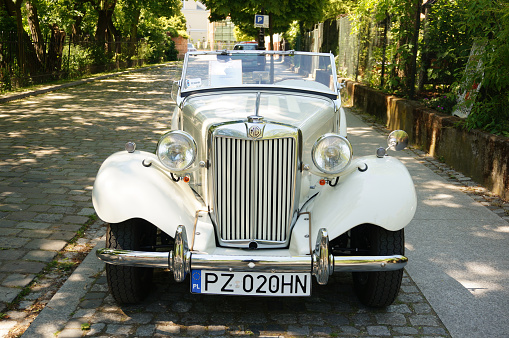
(40, 255)
(48, 218)
(75, 219)
(433, 331)
(363, 319)
(424, 320)
(62, 210)
(25, 267)
(140, 318)
(391, 319)
(298, 330)
(11, 254)
(68, 227)
(13, 242)
(145, 330)
(321, 331)
(310, 319)
(6, 223)
(86, 212)
(95, 329)
(9, 231)
(421, 308)
(216, 330)
(18, 280)
(62, 235)
(349, 330)
(22, 215)
(33, 233)
(39, 208)
(378, 331)
(195, 330)
(70, 333)
(7, 295)
(33, 225)
(167, 330)
(406, 330)
(398, 308)
(62, 203)
(46, 244)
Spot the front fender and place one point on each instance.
(124, 188)
(383, 195)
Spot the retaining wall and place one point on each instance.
(482, 156)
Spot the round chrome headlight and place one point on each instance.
(176, 150)
(332, 153)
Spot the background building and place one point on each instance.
(204, 34)
(197, 17)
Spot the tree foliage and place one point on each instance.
(282, 13)
(102, 28)
(447, 33)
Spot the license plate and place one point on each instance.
(250, 284)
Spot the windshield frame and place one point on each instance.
(331, 93)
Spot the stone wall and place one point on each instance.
(482, 156)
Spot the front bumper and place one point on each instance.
(321, 263)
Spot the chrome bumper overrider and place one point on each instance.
(321, 263)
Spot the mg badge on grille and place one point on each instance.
(254, 132)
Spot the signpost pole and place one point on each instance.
(261, 36)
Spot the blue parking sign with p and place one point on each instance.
(261, 21)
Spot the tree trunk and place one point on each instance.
(102, 26)
(35, 29)
(56, 48)
(25, 52)
(133, 34)
(412, 67)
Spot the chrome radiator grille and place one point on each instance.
(254, 188)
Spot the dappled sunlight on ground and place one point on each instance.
(442, 200)
(61, 131)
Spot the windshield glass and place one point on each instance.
(305, 71)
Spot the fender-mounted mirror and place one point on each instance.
(397, 140)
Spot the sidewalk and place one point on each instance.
(457, 247)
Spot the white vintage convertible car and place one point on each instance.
(254, 190)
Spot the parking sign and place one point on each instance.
(261, 21)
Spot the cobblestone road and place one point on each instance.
(332, 311)
(51, 147)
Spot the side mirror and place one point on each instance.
(175, 90)
(397, 140)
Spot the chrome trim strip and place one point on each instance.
(144, 259)
(369, 263)
(242, 263)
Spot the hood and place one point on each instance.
(306, 112)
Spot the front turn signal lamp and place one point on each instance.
(332, 153)
(176, 150)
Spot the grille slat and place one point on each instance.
(255, 183)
